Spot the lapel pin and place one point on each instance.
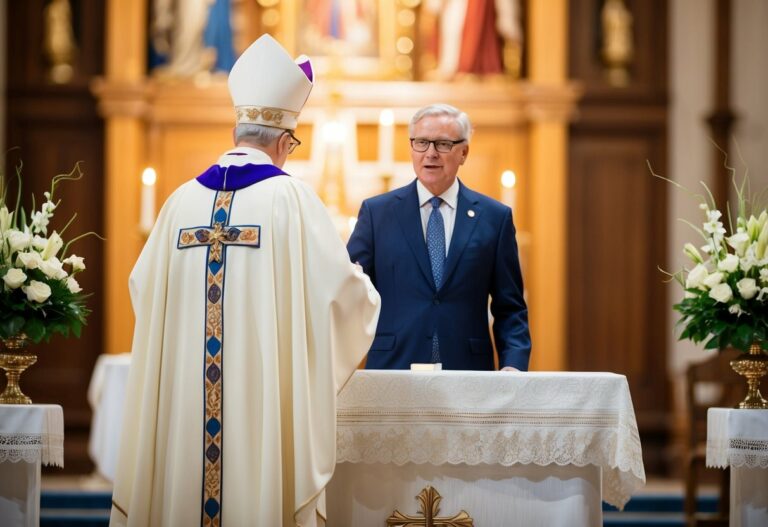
(471, 213)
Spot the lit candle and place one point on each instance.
(147, 215)
(508, 182)
(387, 142)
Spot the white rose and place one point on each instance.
(37, 291)
(18, 240)
(73, 286)
(53, 269)
(52, 246)
(713, 279)
(736, 310)
(721, 293)
(729, 264)
(747, 288)
(14, 278)
(696, 277)
(77, 262)
(30, 260)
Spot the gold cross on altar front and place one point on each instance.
(429, 507)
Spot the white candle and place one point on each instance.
(387, 142)
(147, 214)
(508, 182)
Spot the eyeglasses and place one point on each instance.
(444, 146)
(294, 142)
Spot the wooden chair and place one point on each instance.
(711, 383)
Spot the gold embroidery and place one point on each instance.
(249, 235)
(257, 115)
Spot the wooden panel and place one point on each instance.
(617, 304)
(55, 127)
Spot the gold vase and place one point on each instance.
(753, 366)
(14, 359)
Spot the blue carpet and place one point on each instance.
(74, 508)
(91, 509)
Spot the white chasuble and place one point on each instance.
(249, 320)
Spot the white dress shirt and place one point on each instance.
(447, 208)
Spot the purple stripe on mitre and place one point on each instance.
(306, 67)
(237, 177)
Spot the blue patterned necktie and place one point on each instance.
(436, 248)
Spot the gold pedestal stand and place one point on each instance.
(14, 360)
(753, 366)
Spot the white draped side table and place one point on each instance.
(739, 439)
(511, 448)
(106, 396)
(30, 435)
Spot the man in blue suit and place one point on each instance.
(436, 250)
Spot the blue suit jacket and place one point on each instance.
(388, 241)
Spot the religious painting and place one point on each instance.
(344, 27)
(371, 39)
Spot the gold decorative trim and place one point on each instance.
(267, 116)
(429, 507)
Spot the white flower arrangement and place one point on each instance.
(726, 291)
(39, 294)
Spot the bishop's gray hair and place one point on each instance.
(461, 118)
(257, 134)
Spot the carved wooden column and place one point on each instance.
(547, 62)
(121, 103)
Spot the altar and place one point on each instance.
(542, 448)
(31, 435)
(738, 438)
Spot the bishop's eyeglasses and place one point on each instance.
(294, 142)
(419, 144)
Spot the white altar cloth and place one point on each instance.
(30, 435)
(738, 439)
(497, 419)
(106, 396)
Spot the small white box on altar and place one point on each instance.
(426, 367)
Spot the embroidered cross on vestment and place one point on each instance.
(216, 237)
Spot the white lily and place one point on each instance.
(739, 242)
(6, 218)
(691, 252)
(52, 246)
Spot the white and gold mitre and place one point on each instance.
(268, 87)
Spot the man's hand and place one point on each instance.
(509, 368)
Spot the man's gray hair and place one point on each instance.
(257, 134)
(461, 118)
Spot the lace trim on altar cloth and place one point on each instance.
(749, 453)
(615, 449)
(46, 448)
